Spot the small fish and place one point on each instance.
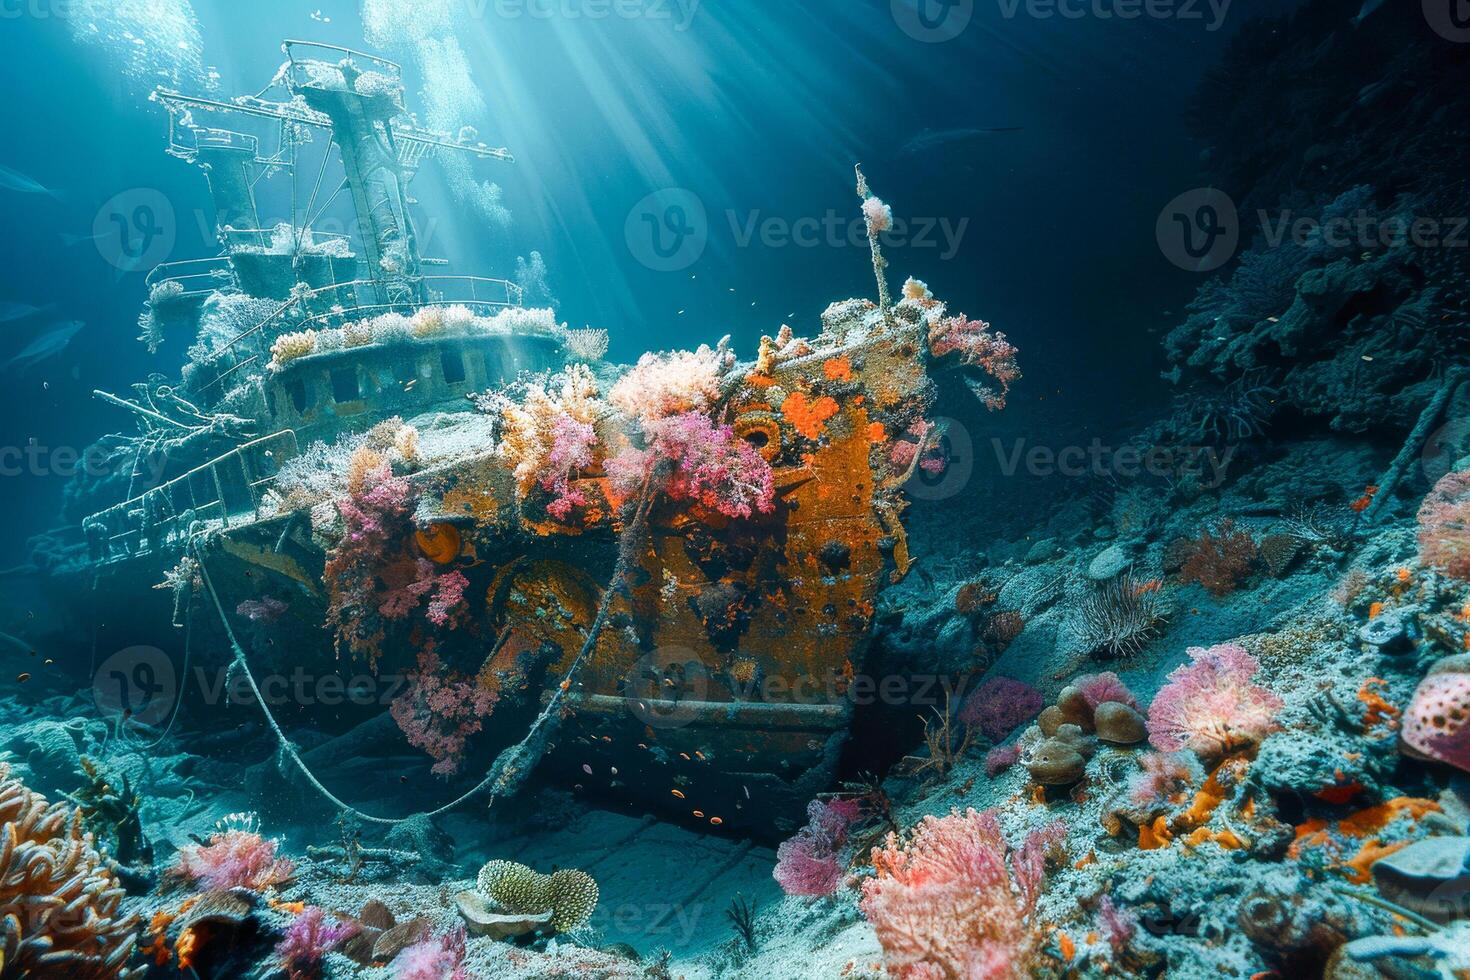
(1366, 11)
(930, 139)
(48, 344)
(11, 312)
(14, 180)
(23, 678)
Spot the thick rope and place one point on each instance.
(515, 764)
(1414, 443)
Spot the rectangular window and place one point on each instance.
(453, 363)
(345, 385)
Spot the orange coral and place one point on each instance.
(806, 416)
(1365, 826)
(837, 369)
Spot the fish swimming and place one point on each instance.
(48, 344)
(10, 311)
(1369, 6)
(932, 138)
(14, 180)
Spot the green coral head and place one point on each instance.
(571, 896)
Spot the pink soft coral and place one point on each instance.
(1444, 525)
(1000, 706)
(572, 445)
(944, 903)
(309, 938)
(233, 859)
(699, 461)
(661, 385)
(440, 710)
(441, 958)
(814, 861)
(975, 346)
(1107, 686)
(1210, 706)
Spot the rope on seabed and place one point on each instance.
(514, 764)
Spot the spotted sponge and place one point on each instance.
(1437, 722)
(571, 896)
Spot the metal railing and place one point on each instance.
(345, 302)
(227, 490)
(198, 277)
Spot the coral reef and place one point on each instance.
(60, 906)
(945, 901)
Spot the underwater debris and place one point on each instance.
(112, 812)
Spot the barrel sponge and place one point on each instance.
(59, 903)
(571, 896)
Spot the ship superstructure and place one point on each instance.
(357, 307)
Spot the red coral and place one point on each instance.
(1444, 525)
(1220, 560)
(1000, 706)
(440, 710)
(944, 903)
(1210, 706)
(814, 861)
(976, 346)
